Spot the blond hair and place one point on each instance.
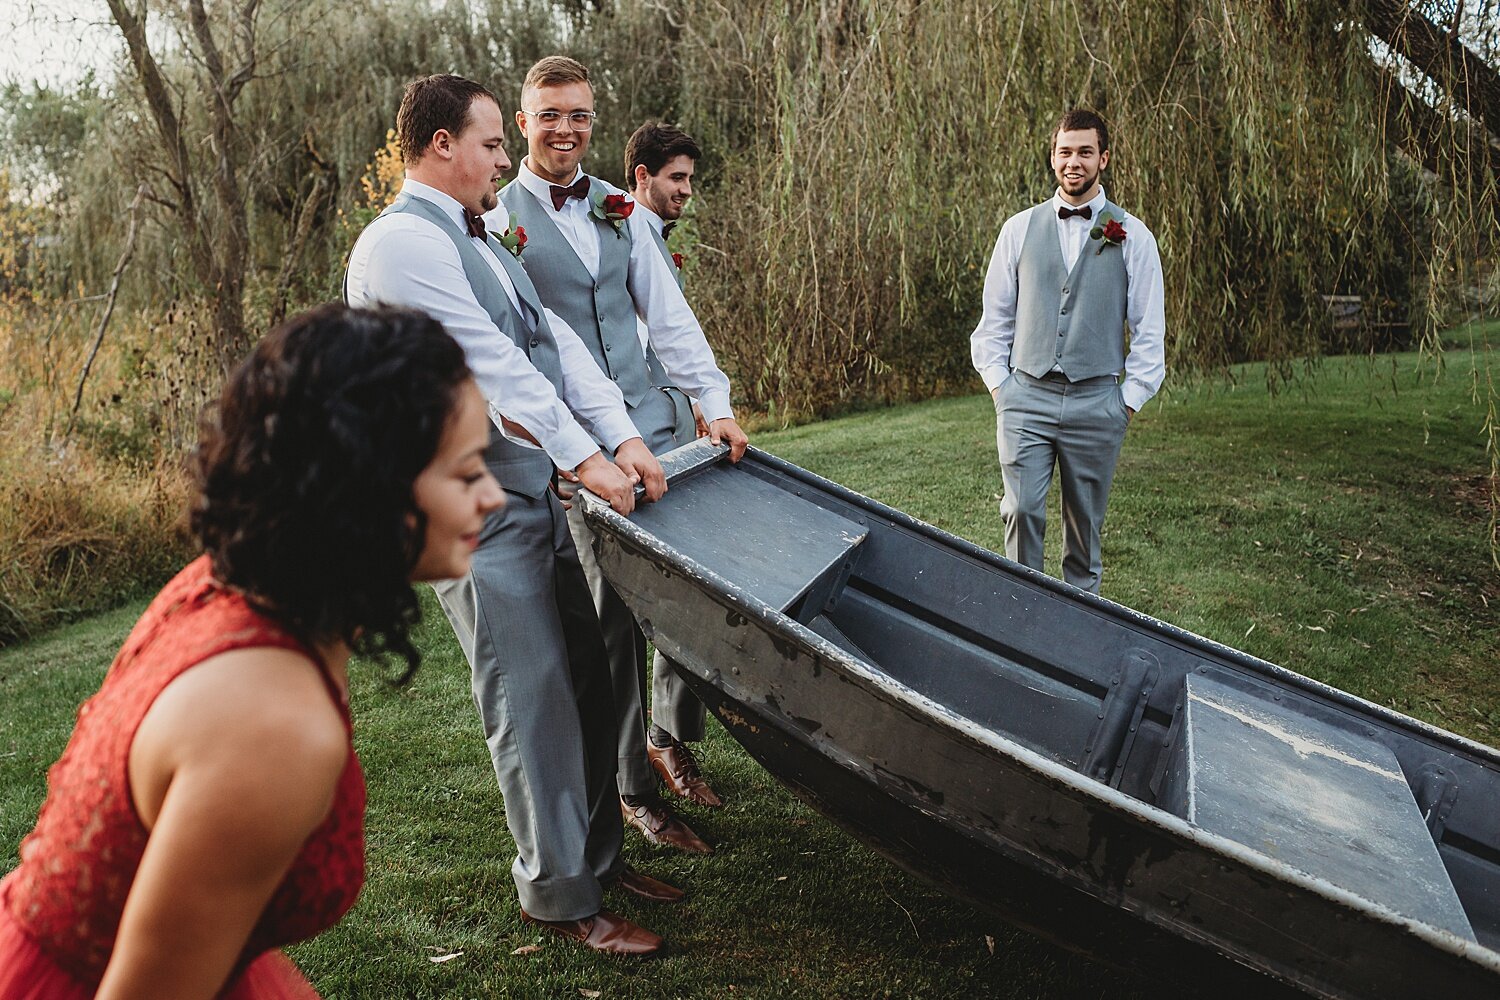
(554, 70)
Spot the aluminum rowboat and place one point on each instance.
(1111, 782)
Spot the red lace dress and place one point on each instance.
(60, 909)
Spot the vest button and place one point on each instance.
(536, 343)
(1064, 310)
(606, 347)
(1065, 291)
(615, 377)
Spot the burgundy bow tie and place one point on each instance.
(1085, 212)
(560, 195)
(475, 224)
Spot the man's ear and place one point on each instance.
(1103, 159)
(641, 173)
(442, 144)
(521, 122)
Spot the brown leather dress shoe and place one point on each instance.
(648, 888)
(659, 825)
(679, 769)
(604, 931)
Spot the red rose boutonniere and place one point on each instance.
(514, 238)
(613, 209)
(1109, 232)
(677, 259)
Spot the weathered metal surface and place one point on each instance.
(767, 541)
(943, 704)
(1325, 800)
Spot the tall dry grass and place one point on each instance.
(91, 504)
(78, 535)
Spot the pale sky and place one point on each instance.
(55, 41)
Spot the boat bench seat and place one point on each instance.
(1320, 797)
(764, 541)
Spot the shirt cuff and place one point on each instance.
(994, 375)
(615, 430)
(1135, 394)
(714, 405)
(571, 447)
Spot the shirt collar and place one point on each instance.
(540, 186)
(656, 221)
(441, 199)
(1096, 203)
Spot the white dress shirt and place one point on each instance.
(405, 260)
(648, 216)
(654, 223)
(670, 326)
(1145, 307)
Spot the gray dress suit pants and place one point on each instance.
(540, 678)
(1078, 427)
(673, 706)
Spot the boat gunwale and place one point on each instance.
(908, 699)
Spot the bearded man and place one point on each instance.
(1066, 280)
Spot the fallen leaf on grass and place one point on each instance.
(989, 942)
(589, 993)
(781, 878)
(1315, 628)
(440, 959)
(527, 949)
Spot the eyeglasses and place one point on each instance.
(551, 121)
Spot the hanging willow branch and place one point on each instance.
(1473, 83)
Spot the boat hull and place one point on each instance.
(998, 824)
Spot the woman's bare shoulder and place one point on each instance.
(259, 723)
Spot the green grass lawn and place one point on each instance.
(1337, 527)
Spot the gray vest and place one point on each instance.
(601, 312)
(666, 253)
(523, 470)
(1073, 320)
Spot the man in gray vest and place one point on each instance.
(523, 615)
(659, 164)
(598, 268)
(1067, 278)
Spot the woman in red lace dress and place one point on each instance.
(209, 807)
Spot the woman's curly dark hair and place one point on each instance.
(305, 472)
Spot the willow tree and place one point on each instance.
(1281, 152)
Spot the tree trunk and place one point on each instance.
(1439, 144)
(1473, 84)
(220, 257)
